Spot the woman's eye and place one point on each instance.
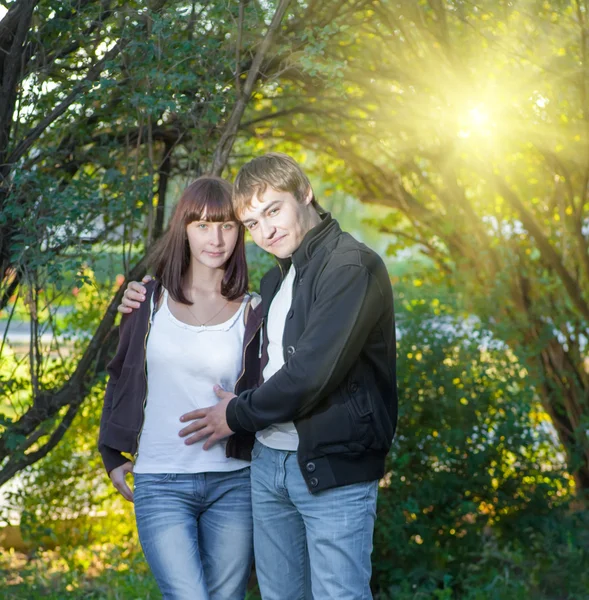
(202, 225)
(227, 226)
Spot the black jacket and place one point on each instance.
(338, 382)
(126, 390)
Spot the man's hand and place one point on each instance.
(133, 296)
(118, 478)
(210, 422)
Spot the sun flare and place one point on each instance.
(478, 116)
(475, 121)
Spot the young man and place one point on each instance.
(325, 414)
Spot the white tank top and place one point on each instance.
(184, 362)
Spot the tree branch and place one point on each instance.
(35, 133)
(546, 249)
(223, 149)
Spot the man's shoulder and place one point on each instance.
(348, 251)
(349, 259)
(271, 273)
(270, 280)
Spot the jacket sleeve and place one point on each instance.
(347, 306)
(110, 457)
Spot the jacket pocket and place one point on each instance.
(363, 411)
(358, 401)
(381, 423)
(335, 428)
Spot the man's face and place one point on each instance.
(278, 222)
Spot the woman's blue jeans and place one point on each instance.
(196, 532)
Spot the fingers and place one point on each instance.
(213, 439)
(132, 297)
(223, 394)
(125, 491)
(117, 477)
(129, 305)
(135, 286)
(194, 426)
(147, 279)
(207, 431)
(195, 414)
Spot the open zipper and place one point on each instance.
(151, 309)
(243, 355)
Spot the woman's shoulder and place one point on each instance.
(152, 286)
(254, 299)
(153, 293)
(253, 302)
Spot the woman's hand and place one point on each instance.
(118, 478)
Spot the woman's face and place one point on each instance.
(212, 243)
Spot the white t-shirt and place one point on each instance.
(281, 436)
(184, 362)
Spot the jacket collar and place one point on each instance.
(314, 239)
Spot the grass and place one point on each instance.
(119, 572)
(105, 572)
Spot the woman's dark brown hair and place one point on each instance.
(206, 199)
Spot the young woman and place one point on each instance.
(197, 328)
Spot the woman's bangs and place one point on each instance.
(213, 204)
(218, 210)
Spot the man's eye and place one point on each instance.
(273, 212)
(250, 226)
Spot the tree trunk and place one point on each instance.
(565, 401)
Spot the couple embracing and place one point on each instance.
(254, 420)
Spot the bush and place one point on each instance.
(476, 487)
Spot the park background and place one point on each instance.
(451, 136)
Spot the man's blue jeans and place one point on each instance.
(309, 545)
(196, 532)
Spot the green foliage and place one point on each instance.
(95, 173)
(109, 571)
(477, 492)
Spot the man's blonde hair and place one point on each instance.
(276, 170)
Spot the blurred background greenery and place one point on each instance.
(450, 136)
